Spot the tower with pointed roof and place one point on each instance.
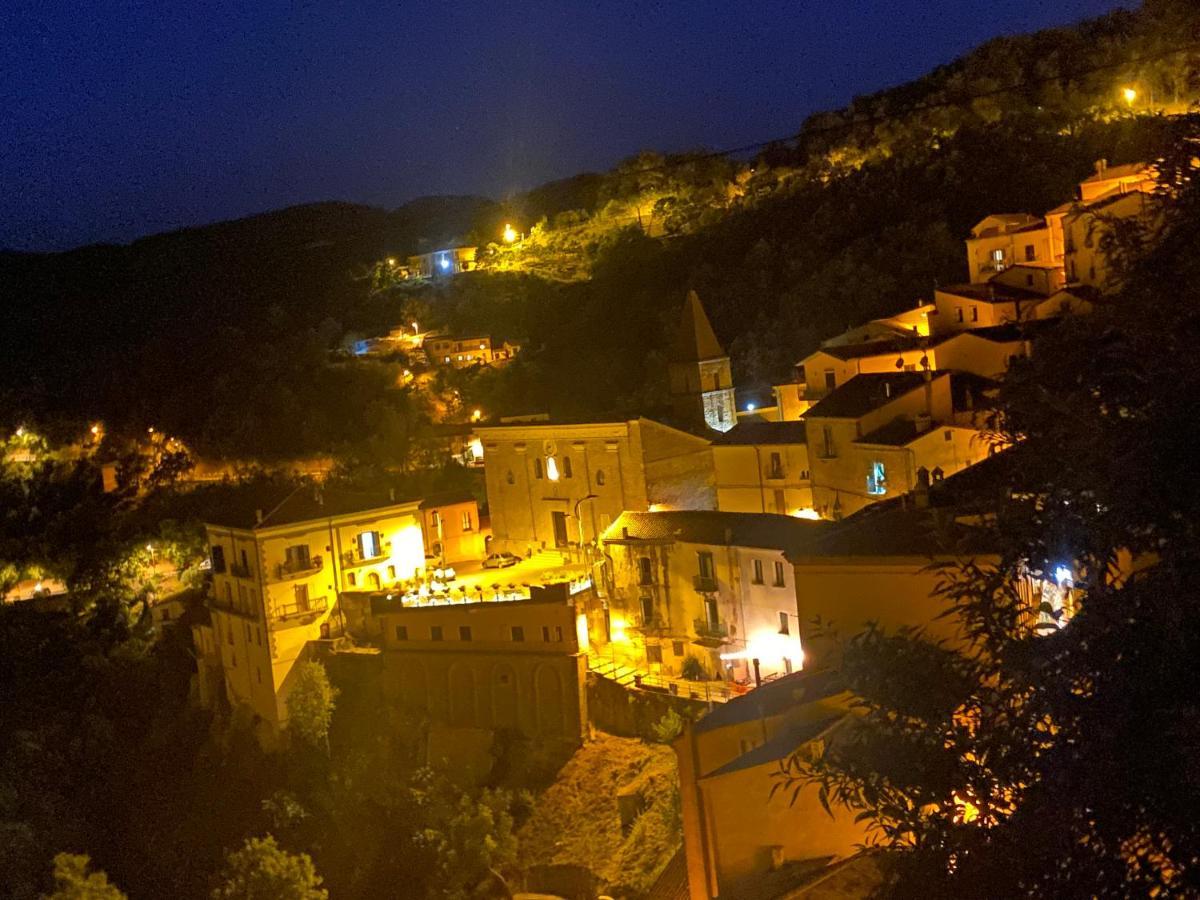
(700, 375)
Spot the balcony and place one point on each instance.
(350, 559)
(710, 632)
(293, 613)
(297, 568)
(237, 570)
(776, 474)
(233, 605)
(704, 584)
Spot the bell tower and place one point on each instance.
(700, 375)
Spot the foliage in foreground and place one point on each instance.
(1039, 761)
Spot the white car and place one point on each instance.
(500, 561)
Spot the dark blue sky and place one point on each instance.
(120, 118)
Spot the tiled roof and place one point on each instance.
(762, 432)
(1112, 173)
(873, 348)
(992, 292)
(897, 433)
(773, 698)
(702, 526)
(864, 393)
(303, 504)
(781, 745)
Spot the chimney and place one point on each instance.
(392, 494)
(887, 389)
(923, 422)
(258, 517)
(625, 533)
(1101, 166)
(921, 491)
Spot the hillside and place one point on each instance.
(221, 335)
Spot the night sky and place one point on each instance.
(119, 119)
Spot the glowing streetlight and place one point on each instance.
(415, 329)
(391, 261)
(477, 415)
(510, 233)
(1130, 95)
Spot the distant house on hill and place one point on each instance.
(441, 262)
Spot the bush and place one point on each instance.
(693, 669)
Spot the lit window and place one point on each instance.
(551, 468)
(368, 545)
(466, 521)
(876, 479)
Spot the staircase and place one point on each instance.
(614, 671)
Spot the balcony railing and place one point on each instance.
(776, 474)
(237, 570)
(232, 605)
(294, 568)
(706, 584)
(283, 612)
(351, 558)
(713, 631)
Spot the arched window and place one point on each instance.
(566, 468)
(600, 477)
(537, 467)
(509, 477)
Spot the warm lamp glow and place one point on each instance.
(1130, 95)
(806, 513)
(551, 468)
(477, 415)
(510, 233)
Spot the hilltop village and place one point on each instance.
(626, 569)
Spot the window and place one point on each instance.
(218, 559)
(391, 572)
(558, 634)
(508, 476)
(258, 635)
(546, 633)
(783, 623)
(369, 546)
(876, 478)
(229, 633)
(567, 467)
(653, 653)
(780, 502)
(518, 633)
(645, 570)
(245, 562)
(537, 467)
(827, 449)
(600, 477)
(704, 560)
(467, 524)
(776, 470)
(677, 648)
(435, 632)
(958, 314)
(300, 595)
(352, 579)
(947, 436)
(778, 582)
(258, 674)
(551, 468)
(758, 571)
(830, 380)
(711, 614)
(464, 632)
(296, 557)
(435, 518)
(647, 610)
(1030, 253)
(998, 260)
(402, 632)
(974, 313)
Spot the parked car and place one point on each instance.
(500, 561)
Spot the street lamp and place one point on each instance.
(510, 233)
(1130, 95)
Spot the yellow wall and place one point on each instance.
(745, 482)
(846, 594)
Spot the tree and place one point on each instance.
(310, 704)
(73, 881)
(1047, 758)
(261, 870)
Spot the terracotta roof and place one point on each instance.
(992, 292)
(303, 504)
(763, 432)
(864, 393)
(695, 339)
(766, 531)
(897, 433)
(1112, 173)
(873, 348)
(781, 745)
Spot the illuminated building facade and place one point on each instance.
(278, 566)
(463, 352)
(706, 584)
(517, 665)
(549, 486)
(763, 467)
(699, 372)
(441, 263)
